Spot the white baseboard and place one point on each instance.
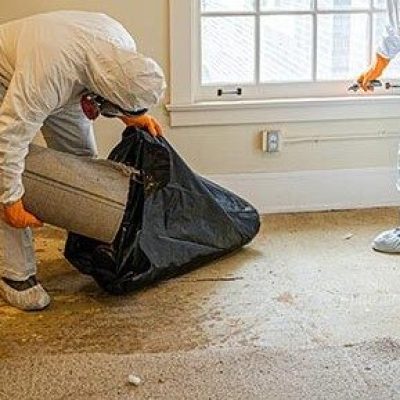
(302, 191)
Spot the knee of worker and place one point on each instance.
(70, 136)
(69, 145)
(69, 131)
(87, 150)
(90, 152)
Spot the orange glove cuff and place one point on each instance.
(16, 216)
(128, 121)
(380, 64)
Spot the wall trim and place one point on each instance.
(303, 191)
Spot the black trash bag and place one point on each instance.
(175, 221)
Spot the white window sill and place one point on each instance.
(284, 110)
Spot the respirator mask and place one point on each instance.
(94, 105)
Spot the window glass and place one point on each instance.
(342, 49)
(228, 50)
(227, 5)
(286, 5)
(286, 48)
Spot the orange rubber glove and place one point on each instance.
(146, 122)
(373, 73)
(16, 216)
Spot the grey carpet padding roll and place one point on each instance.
(79, 194)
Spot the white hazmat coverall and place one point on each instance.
(47, 62)
(389, 241)
(390, 44)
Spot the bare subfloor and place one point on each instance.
(307, 311)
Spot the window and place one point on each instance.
(264, 47)
(267, 61)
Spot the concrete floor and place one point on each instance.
(303, 312)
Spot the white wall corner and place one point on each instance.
(303, 191)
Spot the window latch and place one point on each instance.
(222, 92)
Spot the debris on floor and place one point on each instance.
(134, 380)
(217, 279)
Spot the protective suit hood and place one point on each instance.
(124, 77)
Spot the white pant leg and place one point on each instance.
(71, 132)
(18, 250)
(16, 245)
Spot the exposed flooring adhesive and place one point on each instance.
(299, 314)
(365, 371)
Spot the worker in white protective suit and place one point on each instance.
(57, 70)
(388, 241)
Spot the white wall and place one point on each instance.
(230, 149)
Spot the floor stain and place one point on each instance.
(292, 288)
(286, 298)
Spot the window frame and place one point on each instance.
(192, 105)
(292, 89)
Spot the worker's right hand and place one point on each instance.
(146, 122)
(373, 73)
(16, 216)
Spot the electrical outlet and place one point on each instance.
(271, 141)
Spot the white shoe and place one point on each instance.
(33, 298)
(388, 242)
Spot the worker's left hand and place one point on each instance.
(146, 122)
